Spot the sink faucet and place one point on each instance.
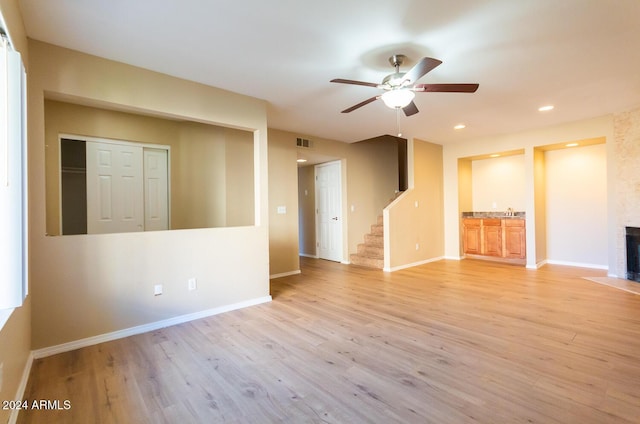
(509, 211)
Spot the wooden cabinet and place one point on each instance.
(514, 239)
(492, 237)
(497, 238)
(472, 237)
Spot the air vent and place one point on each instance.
(303, 142)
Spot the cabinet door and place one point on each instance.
(515, 242)
(471, 236)
(492, 237)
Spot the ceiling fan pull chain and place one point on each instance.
(398, 122)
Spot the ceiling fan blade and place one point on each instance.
(410, 109)
(425, 65)
(353, 82)
(359, 105)
(446, 88)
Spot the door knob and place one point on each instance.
(335, 218)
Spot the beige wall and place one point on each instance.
(498, 181)
(283, 192)
(239, 178)
(372, 176)
(15, 334)
(576, 205)
(539, 220)
(414, 221)
(625, 171)
(114, 274)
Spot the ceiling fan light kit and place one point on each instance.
(400, 87)
(398, 98)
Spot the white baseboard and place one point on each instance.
(411, 265)
(537, 265)
(13, 418)
(306, 255)
(453, 258)
(89, 341)
(284, 274)
(577, 264)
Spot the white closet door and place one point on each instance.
(156, 190)
(115, 194)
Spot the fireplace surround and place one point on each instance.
(633, 253)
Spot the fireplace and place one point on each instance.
(633, 253)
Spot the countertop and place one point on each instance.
(501, 215)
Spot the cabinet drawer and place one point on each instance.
(514, 222)
(492, 222)
(471, 222)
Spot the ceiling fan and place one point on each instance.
(400, 87)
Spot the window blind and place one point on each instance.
(13, 179)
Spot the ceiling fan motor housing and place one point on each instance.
(392, 81)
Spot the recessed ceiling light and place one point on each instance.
(301, 160)
(545, 108)
(459, 127)
(571, 145)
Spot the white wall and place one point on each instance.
(577, 206)
(500, 181)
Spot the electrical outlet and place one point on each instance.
(417, 246)
(157, 290)
(192, 284)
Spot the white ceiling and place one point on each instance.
(583, 56)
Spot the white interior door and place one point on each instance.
(329, 211)
(156, 190)
(114, 188)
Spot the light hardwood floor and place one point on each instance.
(446, 342)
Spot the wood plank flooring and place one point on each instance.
(447, 342)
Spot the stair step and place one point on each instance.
(375, 252)
(377, 229)
(368, 262)
(380, 220)
(374, 240)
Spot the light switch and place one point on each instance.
(282, 210)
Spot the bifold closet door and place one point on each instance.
(115, 189)
(156, 190)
